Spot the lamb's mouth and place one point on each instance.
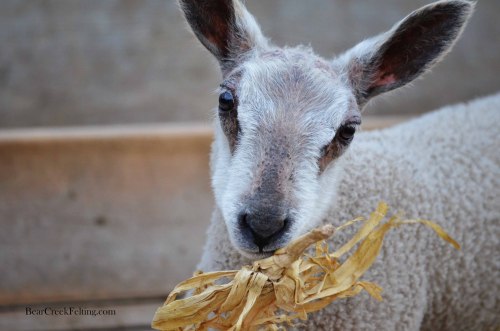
(253, 250)
(252, 244)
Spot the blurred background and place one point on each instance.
(104, 140)
(88, 62)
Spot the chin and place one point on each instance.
(255, 255)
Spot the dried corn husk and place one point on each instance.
(277, 290)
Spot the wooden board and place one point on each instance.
(98, 217)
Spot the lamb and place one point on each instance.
(284, 160)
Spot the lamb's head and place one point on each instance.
(285, 115)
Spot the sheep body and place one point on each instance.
(443, 166)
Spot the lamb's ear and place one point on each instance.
(224, 27)
(412, 46)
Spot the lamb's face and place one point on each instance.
(284, 117)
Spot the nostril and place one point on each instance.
(242, 220)
(286, 223)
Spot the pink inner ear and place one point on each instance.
(385, 79)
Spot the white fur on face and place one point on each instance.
(290, 105)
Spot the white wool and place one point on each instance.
(443, 166)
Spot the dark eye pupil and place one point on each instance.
(226, 101)
(347, 132)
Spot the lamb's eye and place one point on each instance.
(346, 133)
(226, 101)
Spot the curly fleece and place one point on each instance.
(443, 166)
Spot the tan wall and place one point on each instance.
(79, 62)
(99, 214)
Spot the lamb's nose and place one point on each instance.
(264, 227)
